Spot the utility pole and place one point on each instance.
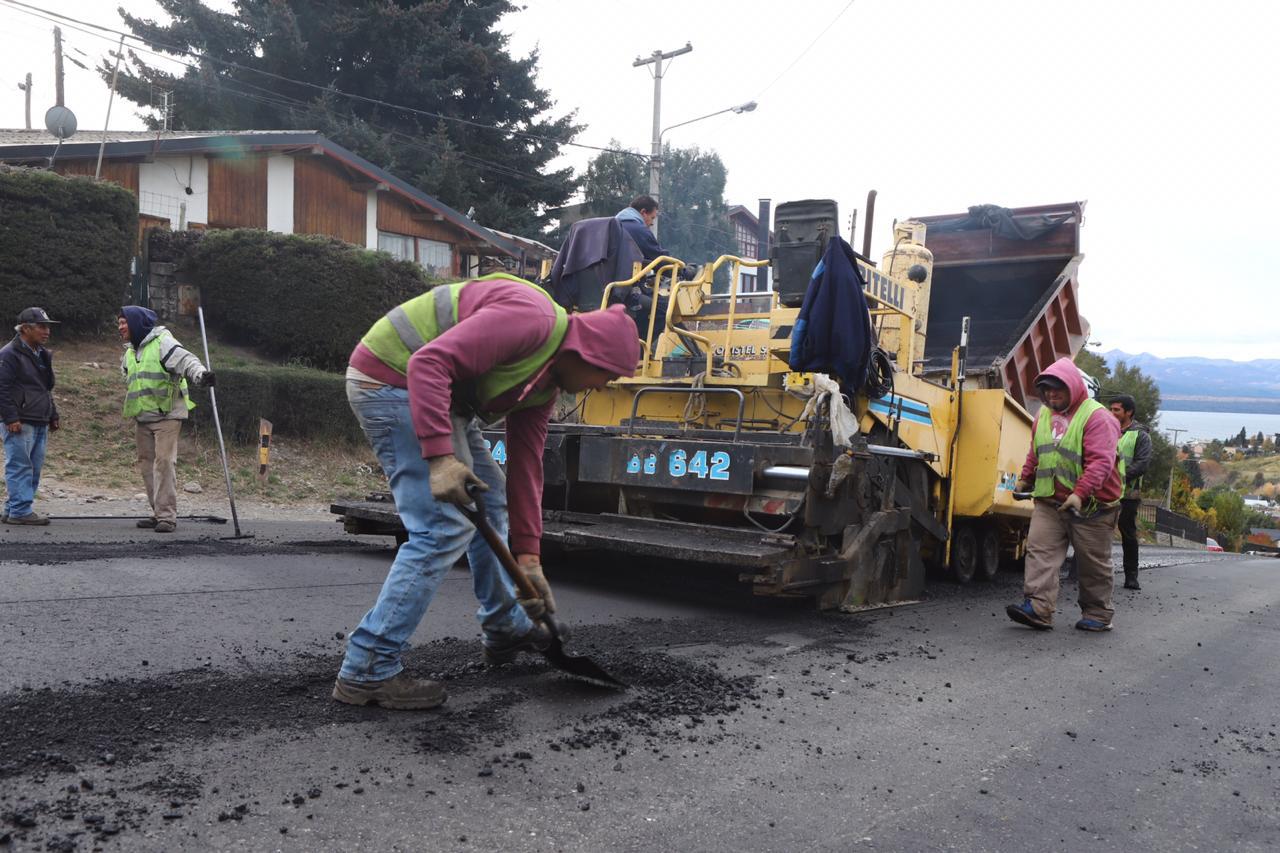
(1168, 496)
(57, 67)
(26, 87)
(655, 152)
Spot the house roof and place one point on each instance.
(18, 146)
(741, 211)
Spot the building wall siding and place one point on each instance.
(163, 185)
(325, 202)
(395, 215)
(238, 192)
(280, 193)
(124, 174)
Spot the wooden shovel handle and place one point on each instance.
(477, 517)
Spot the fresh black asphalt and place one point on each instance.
(172, 694)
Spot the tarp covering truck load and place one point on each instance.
(717, 453)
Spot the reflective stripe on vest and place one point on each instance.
(150, 386)
(1124, 458)
(1063, 461)
(411, 325)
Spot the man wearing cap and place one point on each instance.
(1073, 472)
(1135, 450)
(158, 372)
(488, 348)
(28, 411)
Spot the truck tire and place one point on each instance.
(964, 554)
(988, 553)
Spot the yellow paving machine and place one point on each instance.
(716, 453)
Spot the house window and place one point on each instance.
(435, 257)
(396, 245)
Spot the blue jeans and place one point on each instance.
(23, 459)
(439, 534)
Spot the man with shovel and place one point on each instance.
(1071, 469)
(417, 382)
(157, 370)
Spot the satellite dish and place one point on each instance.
(61, 122)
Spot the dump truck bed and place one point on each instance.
(1014, 272)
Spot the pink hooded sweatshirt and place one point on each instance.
(1100, 478)
(500, 322)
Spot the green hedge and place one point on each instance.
(303, 299)
(300, 403)
(65, 245)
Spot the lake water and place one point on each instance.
(1210, 425)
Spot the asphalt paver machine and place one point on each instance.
(717, 454)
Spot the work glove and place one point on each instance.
(1024, 486)
(206, 381)
(545, 604)
(1072, 502)
(450, 478)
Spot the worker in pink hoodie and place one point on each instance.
(419, 382)
(1071, 470)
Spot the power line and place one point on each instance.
(804, 52)
(274, 99)
(36, 10)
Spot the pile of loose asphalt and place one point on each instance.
(96, 741)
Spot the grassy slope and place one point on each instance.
(95, 447)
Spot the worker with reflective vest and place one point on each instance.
(1072, 471)
(1134, 452)
(420, 382)
(158, 373)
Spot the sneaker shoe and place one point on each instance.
(1093, 625)
(400, 692)
(503, 648)
(166, 526)
(147, 523)
(30, 518)
(1132, 585)
(1025, 614)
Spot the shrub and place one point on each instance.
(66, 245)
(168, 246)
(304, 299)
(300, 403)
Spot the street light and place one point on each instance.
(655, 159)
(1168, 495)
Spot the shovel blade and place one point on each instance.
(580, 667)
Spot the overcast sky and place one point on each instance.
(1162, 116)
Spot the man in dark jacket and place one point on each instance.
(637, 220)
(1135, 449)
(28, 412)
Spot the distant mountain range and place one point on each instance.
(1209, 384)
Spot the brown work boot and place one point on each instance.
(147, 523)
(30, 518)
(401, 692)
(166, 526)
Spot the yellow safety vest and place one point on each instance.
(411, 325)
(1062, 462)
(1124, 458)
(150, 386)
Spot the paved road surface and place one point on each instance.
(172, 694)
